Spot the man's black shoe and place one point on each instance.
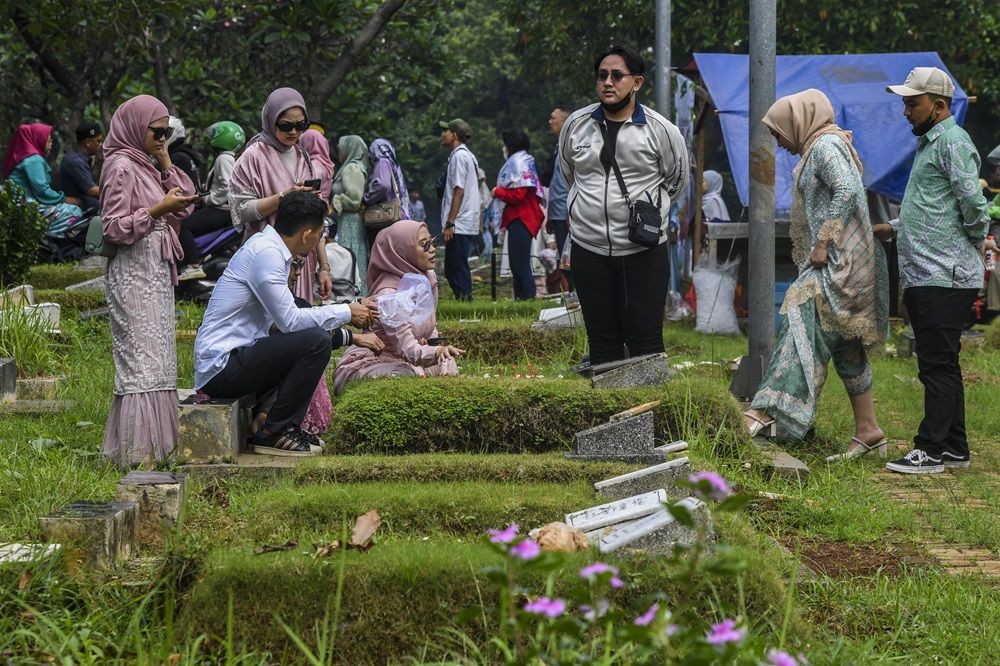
(916, 462)
(289, 442)
(955, 460)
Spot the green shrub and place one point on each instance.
(21, 229)
(992, 335)
(26, 339)
(471, 414)
(71, 301)
(498, 342)
(60, 276)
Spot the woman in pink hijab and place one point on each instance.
(318, 149)
(144, 197)
(405, 247)
(272, 165)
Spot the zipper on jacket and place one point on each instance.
(607, 219)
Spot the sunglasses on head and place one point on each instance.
(288, 126)
(427, 243)
(161, 132)
(616, 75)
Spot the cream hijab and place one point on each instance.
(802, 118)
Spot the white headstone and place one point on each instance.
(639, 473)
(633, 531)
(673, 447)
(617, 512)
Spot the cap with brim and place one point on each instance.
(924, 81)
(459, 127)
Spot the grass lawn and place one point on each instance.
(888, 588)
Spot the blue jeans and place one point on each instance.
(456, 265)
(519, 255)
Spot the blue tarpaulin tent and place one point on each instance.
(855, 85)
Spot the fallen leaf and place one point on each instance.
(268, 548)
(23, 581)
(84, 424)
(41, 443)
(325, 549)
(361, 535)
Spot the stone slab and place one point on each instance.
(93, 262)
(561, 317)
(660, 532)
(784, 465)
(94, 535)
(36, 406)
(649, 370)
(39, 388)
(102, 311)
(94, 284)
(667, 476)
(247, 465)
(212, 430)
(16, 553)
(616, 512)
(649, 458)
(672, 447)
(631, 436)
(160, 497)
(8, 380)
(46, 312)
(22, 294)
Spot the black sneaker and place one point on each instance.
(916, 462)
(955, 460)
(288, 442)
(312, 440)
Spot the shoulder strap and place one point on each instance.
(615, 167)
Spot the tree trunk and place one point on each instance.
(161, 78)
(321, 92)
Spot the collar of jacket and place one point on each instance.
(638, 116)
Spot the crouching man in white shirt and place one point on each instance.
(234, 354)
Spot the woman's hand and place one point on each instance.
(325, 283)
(162, 158)
(445, 352)
(297, 187)
(818, 256)
(882, 231)
(172, 202)
(369, 341)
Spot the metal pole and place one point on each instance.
(661, 81)
(761, 274)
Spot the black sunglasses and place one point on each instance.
(287, 126)
(616, 75)
(161, 132)
(427, 243)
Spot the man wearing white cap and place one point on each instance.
(940, 234)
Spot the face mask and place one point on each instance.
(618, 106)
(505, 155)
(924, 127)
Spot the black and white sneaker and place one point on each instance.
(916, 462)
(955, 460)
(289, 442)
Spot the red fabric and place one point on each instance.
(522, 204)
(28, 140)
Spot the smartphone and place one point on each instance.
(202, 194)
(312, 183)
(437, 342)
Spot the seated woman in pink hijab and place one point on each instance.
(405, 247)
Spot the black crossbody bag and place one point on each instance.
(644, 220)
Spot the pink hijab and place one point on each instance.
(28, 140)
(278, 102)
(318, 148)
(394, 255)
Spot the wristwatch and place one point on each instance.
(450, 225)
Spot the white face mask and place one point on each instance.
(505, 155)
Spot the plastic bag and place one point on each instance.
(715, 287)
(412, 303)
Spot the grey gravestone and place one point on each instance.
(8, 380)
(47, 313)
(94, 284)
(630, 440)
(94, 535)
(649, 370)
(784, 464)
(212, 430)
(15, 553)
(558, 318)
(659, 532)
(160, 496)
(93, 262)
(617, 512)
(23, 294)
(668, 476)
(672, 447)
(39, 388)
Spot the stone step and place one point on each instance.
(670, 476)
(36, 406)
(160, 497)
(649, 370)
(94, 535)
(211, 430)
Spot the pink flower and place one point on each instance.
(596, 569)
(719, 489)
(779, 658)
(504, 536)
(544, 606)
(725, 632)
(526, 550)
(648, 616)
(590, 613)
(617, 583)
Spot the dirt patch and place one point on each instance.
(838, 559)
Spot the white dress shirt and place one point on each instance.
(251, 295)
(462, 168)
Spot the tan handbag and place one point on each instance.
(381, 215)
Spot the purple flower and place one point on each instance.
(670, 630)
(596, 569)
(617, 583)
(590, 613)
(779, 658)
(648, 616)
(544, 606)
(505, 535)
(725, 632)
(526, 550)
(719, 489)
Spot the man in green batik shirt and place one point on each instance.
(940, 234)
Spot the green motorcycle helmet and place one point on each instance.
(226, 135)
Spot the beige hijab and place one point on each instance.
(802, 118)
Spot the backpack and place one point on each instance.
(343, 272)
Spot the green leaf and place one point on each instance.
(734, 503)
(681, 514)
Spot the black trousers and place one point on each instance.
(519, 257)
(292, 363)
(938, 315)
(202, 221)
(622, 299)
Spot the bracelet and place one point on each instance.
(324, 270)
